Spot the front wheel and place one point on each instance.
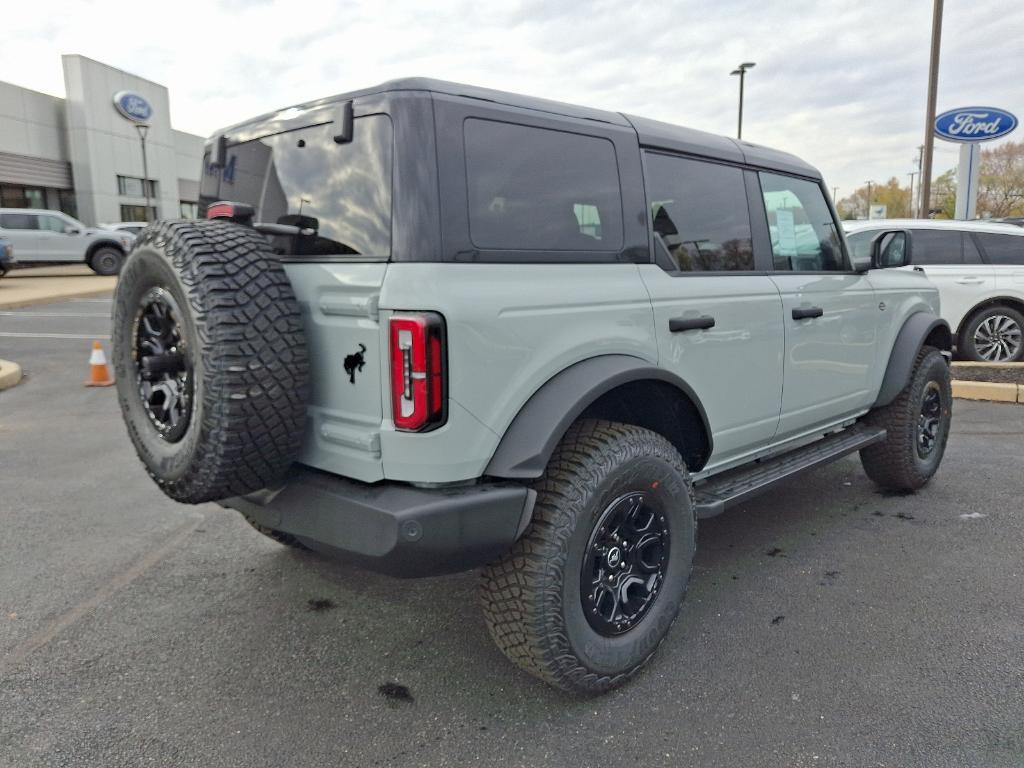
(106, 261)
(994, 335)
(589, 592)
(917, 426)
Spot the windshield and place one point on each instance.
(303, 177)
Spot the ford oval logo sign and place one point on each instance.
(133, 106)
(974, 124)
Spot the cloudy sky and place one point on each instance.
(840, 83)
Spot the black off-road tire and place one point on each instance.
(531, 597)
(245, 359)
(279, 536)
(966, 347)
(897, 462)
(106, 261)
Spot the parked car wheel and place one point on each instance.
(589, 592)
(210, 360)
(994, 335)
(917, 427)
(106, 261)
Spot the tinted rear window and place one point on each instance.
(19, 221)
(343, 191)
(533, 189)
(699, 214)
(1002, 249)
(934, 246)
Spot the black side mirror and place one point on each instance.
(890, 249)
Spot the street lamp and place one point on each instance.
(143, 129)
(741, 70)
(869, 183)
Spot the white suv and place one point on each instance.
(52, 237)
(978, 268)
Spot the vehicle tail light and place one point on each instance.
(418, 375)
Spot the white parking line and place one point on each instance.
(14, 335)
(52, 314)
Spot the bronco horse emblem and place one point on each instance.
(355, 362)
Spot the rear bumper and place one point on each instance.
(392, 527)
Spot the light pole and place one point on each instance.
(741, 70)
(142, 128)
(912, 174)
(929, 128)
(869, 183)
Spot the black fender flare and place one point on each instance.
(530, 439)
(916, 329)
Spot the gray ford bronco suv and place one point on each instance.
(429, 327)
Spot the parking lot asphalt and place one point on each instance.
(827, 623)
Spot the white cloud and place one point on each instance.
(842, 84)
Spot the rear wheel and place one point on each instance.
(917, 426)
(106, 261)
(589, 592)
(994, 335)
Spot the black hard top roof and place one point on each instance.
(652, 133)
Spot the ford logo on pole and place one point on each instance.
(133, 106)
(974, 124)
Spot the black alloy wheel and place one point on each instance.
(929, 420)
(624, 564)
(163, 370)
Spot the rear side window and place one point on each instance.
(699, 214)
(19, 221)
(1002, 249)
(534, 189)
(936, 246)
(803, 233)
(302, 177)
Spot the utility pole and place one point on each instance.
(920, 178)
(741, 70)
(869, 183)
(912, 174)
(142, 128)
(835, 193)
(929, 128)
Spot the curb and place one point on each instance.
(10, 374)
(986, 390)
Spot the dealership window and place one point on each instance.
(188, 209)
(137, 213)
(21, 196)
(130, 186)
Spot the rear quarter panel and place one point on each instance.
(511, 327)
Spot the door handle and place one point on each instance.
(678, 324)
(970, 281)
(802, 313)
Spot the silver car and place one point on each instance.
(53, 237)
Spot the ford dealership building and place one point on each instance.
(83, 154)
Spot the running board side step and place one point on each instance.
(719, 492)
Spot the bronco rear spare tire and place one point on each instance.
(210, 360)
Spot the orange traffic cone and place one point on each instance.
(99, 374)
